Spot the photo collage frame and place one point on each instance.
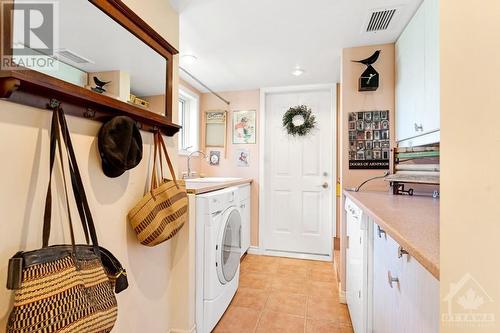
(369, 140)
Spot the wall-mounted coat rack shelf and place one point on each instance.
(36, 89)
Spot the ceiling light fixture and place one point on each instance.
(298, 71)
(188, 59)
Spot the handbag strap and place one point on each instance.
(55, 139)
(78, 188)
(59, 124)
(154, 172)
(169, 162)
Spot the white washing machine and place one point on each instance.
(218, 248)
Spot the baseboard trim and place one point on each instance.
(254, 250)
(342, 295)
(262, 252)
(176, 330)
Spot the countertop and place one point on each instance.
(200, 187)
(412, 221)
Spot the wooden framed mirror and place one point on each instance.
(112, 44)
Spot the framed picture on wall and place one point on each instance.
(369, 141)
(244, 127)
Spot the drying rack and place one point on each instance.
(424, 169)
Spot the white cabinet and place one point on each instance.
(245, 209)
(357, 266)
(417, 78)
(405, 295)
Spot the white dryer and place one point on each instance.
(218, 248)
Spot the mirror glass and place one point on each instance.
(91, 50)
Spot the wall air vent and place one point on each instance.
(65, 54)
(380, 20)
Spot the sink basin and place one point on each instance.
(212, 180)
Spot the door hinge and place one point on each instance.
(347, 242)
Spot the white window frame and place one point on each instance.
(189, 118)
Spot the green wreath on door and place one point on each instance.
(299, 120)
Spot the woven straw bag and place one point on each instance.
(62, 288)
(162, 212)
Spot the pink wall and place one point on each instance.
(353, 100)
(240, 100)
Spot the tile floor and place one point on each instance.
(285, 295)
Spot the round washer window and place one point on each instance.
(231, 246)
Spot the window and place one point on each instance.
(189, 115)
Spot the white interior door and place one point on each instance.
(298, 176)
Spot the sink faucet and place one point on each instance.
(189, 174)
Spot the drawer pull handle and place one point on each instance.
(392, 279)
(380, 231)
(401, 251)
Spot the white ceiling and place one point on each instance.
(249, 44)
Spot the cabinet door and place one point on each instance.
(410, 76)
(419, 298)
(354, 271)
(385, 310)
(430, 119)
(245, 225)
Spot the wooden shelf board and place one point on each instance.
(32, 88)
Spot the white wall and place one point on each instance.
(153, 301)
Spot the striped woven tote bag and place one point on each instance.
(162, 212)
(61, 288)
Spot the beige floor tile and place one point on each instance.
(290, 284)
(238, 319)
(275, 322)
(294, 262)
(323, 289)
(261, 259)
(283, 302)
(324, 308)
(322, 275)
(251, 298)
(321, 265)
(259, 267)
(255, 280)
(292, 271)
(321, 326)
(345, 317)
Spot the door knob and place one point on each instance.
(325, 185)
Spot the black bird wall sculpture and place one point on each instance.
(370, 60)
(99, 85)
(369, 79)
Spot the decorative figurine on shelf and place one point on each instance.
(99, 85)
(369, 79)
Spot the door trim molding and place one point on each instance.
(332, 87)
(295, 255)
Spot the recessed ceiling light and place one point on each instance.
(298, 71)
(189, 59)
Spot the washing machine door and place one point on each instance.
(229, 245)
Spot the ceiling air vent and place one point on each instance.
(380, 20)
(72, 56)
